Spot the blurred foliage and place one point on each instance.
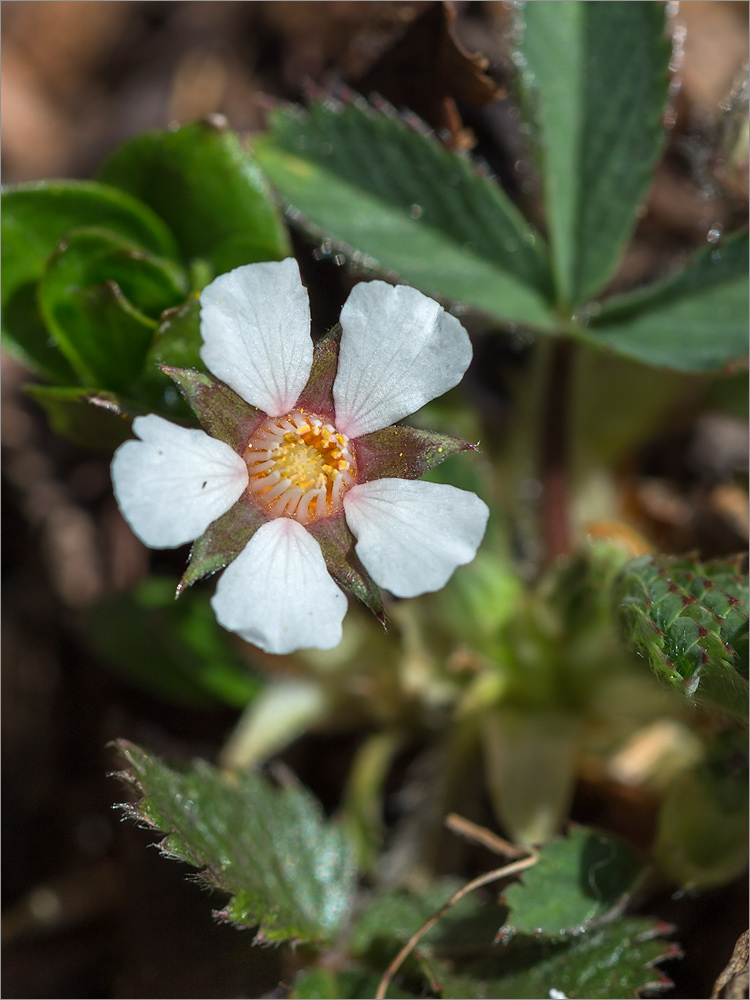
(514, 681)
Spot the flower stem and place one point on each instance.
(555, 514)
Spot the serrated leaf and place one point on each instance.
(577, 880)
(594, 78)
(393, 916)
(35, 218)
(289, 870)
(405, 204)
(694, 320)
(610, 962)
(89, 418)
(175, 650)
(690, 621)
(201, 181)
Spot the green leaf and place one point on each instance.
(578, 879)
(26, 337)
(595, 79)
(289, 870)
(90, 418)
(690, 621)
(701, 837)
(329, 984)
(99, 331)
(35, 218)
(397, 200)
(694, 320)
(175, 650)
(207, 188)
(392, 917)
(610, 962)
(177, 341)
(151, 283)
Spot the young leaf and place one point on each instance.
(694, 320)
(202, 182)
(594, 78)
(578, 879)
(175, 650)
(99, 331)
(398, 200)
(35, 218)
(610, 962)
(289, 870)
(690, 621)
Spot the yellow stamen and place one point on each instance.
(300, 466)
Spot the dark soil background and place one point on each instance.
(89, 911)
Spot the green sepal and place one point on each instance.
(337, 545)
(222, 413)
(403, 452)
(223, 541)
(90, 418)
(317, 396)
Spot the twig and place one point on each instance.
(493, 876)
(481, 835)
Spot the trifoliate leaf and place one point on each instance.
(397, 200)
(289, 871)
(693, 320)
(594, 78)
(577, 880)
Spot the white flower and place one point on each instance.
(311, 468)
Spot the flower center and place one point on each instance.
(299, 466)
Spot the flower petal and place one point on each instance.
(399, 349)
(174, 482)
(255, 325)
(411, 535)
(277, 593)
